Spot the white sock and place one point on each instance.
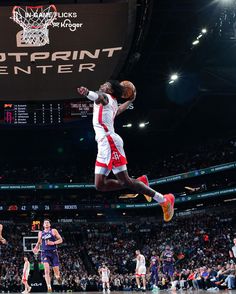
(158, 197)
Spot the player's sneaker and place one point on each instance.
(168, 207)
(49, 290)
(24, 292)
(108, 291)
(144, 179)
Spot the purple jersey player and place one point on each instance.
(167, 258)
(153, 269)
(49, 239)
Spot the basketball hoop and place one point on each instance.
(35, 21)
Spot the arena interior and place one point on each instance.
(180, 132)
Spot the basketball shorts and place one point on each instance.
(111, 155)
(51, 257)
(168, 269)
(141, 271)
(25, 278)
(105, 280)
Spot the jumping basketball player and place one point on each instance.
(140, 270)
(111, 155)
(49, 238)
(153, 269)
(2, 240)
(25, 276)
(104, 273)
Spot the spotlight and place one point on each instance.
(127, 126)
(199, 37)
(143, 124)
(204, 31)
(195, 42)
(174, 77)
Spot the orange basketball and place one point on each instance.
(129, 89)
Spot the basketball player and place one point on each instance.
(26, 271)
(104, 273)
(140, 270)
(111, 155)
(2, 240)
(232, 252)
(49, 238)
(153, 269)
(167, 259)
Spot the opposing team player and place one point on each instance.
(140, 270)
(111, 155)
(167, 259)
(25, 275)
(49, 238)
(153, 269)
(2, 240)
(104, 273)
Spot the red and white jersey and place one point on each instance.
(105, 272)
(140, 261)
(26, 270)
(103, 118)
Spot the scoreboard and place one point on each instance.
(33, 114)
(55, 113)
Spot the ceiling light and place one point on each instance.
(195, 42)
(174, 77)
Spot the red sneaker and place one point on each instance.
(168, 207)
(144, 179)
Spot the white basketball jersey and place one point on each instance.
(140, 261)
(26, 269)
(105, 272)
(103, 117)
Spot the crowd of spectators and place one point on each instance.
(82, 169)
(200, 242)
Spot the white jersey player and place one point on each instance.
(104, 273)
(25, 275)
(140, 270)
(111, 155)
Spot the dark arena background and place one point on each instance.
(180, 132)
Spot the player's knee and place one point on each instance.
(125, 183)
(100, 186)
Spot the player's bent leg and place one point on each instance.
(57, 275)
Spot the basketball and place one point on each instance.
(129, 89)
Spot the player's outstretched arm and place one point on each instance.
(97, 97)
(125, 105)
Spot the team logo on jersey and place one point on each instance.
(115, 155)
(47, 236)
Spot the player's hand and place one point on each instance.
(35, 250)
(50, 243)
(134, 97)
(3, 241)
(83, 91)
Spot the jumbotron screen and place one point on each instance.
(87, 44)
(40, 113)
